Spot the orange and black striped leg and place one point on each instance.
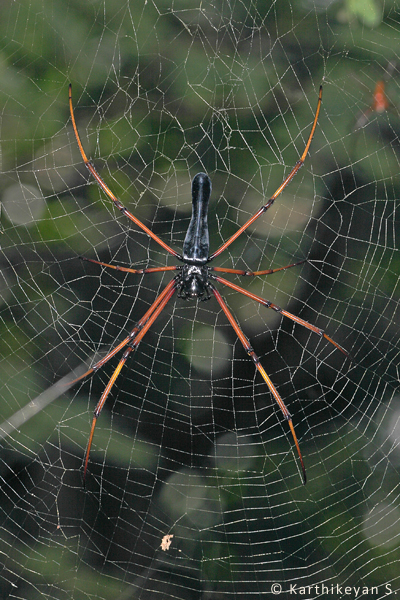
(135, 331)
(246, 345)
(255, 273)
(134, 342)
(107, 190)
(129, 270)
(283, 312)
(280, 189)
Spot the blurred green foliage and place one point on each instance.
(162, 91)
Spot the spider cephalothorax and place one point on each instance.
(192, 282)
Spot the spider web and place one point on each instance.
(193, 487)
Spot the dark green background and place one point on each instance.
(163, 90)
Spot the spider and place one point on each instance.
(195, 279)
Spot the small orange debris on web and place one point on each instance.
(380, 102)
(166, 541)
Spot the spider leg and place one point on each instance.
(107, 190)
(132, 345)
(254, 273)
(280, 189)
(246, 345)
(128, 270)
(283, 312)
(135, 331)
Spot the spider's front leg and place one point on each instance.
(130, 343)
(247, 346)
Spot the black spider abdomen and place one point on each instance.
(197, 245)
